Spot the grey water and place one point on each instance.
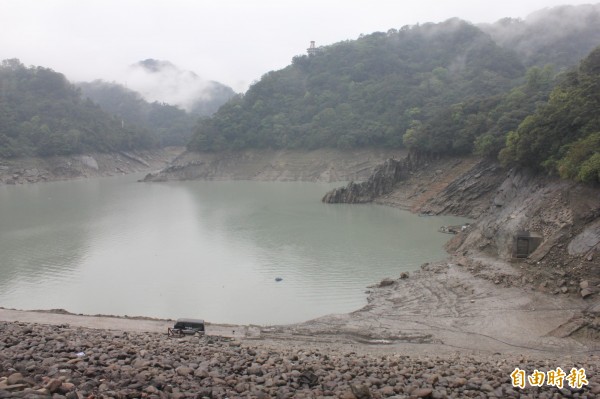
(210, 250)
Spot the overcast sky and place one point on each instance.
(234, 42)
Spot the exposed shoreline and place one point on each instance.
(446, 306)
(320, 165)
(27, 170)
(441, 332)
(458, 288)
(473, 307)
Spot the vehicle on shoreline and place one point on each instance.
(186, 327)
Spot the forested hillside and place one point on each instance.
(169, 124)
(41, 113)
(563, 135)
(367, 92)
(445, 88)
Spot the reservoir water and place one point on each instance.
(210, 250)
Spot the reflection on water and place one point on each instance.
(210, 250)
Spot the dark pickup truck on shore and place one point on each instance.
(186, 327)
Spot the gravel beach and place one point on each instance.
(61, 361)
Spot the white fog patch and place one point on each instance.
(164, 82)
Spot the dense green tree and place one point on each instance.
(359, 93)
(564, 134)
(41, 113)
(169, 124)
(434, 88)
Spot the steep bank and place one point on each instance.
(562, 214)
(323, 165)
(427, 185)
(33, 170)
(540, 232)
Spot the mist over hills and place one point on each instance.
(560, 36)
(435, 88)
(162, 81)
(161, 98)
(170, 124)
(42, 113)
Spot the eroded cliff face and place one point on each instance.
(566, 218)
(458, 186)
(381, 182)
(563, 213)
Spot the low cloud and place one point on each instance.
(162, 81)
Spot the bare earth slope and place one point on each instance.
(33, 170)
(565, 215)
(325, 165)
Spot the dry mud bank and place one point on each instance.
(562, 216)
(323, 165)
(445, 307)
(34, 170)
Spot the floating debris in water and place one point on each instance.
(278, 279)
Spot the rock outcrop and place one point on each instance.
(564, 216)
(468, 194)
(459, 186)
(381, 182)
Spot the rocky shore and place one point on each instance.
(73, 362)
(35, 170)
(320, 165)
